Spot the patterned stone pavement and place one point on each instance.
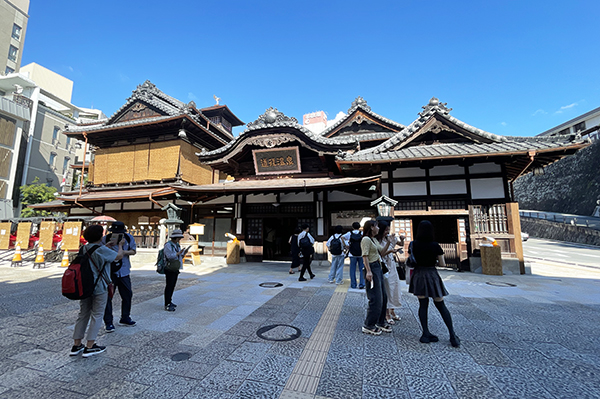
(535, 340)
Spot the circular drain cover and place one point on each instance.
(181, 356)
(279, 332)
(500, 284)
(270, 285)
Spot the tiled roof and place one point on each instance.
(272, 118)
(91, 128)
(361, 103)
(393, 149)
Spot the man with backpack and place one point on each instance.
(120, 271)
(306, 242)
(353, 239)
(336, 245)
(97, 259)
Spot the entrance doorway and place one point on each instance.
(276, 235)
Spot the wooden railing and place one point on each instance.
(489, 219)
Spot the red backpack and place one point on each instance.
(78, 280)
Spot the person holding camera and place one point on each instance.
(120, 271)
(174, 255)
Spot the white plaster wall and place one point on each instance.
(488, 167)
(448, 187)
(487, 188)
(447, 170)
(409, 172)
(410, 188)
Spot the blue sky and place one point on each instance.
(507, 67)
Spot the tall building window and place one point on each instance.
(16, 33)
(12, 53)
(68, 143)
(52, 160)
(65, 164)
(580, 127)
(55, 134)
(8, 70)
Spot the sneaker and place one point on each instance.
(94, 350)
(371, 331)
(128, 322)
(340, 283)
(361, 287)
(76, 350)
(170, 308)
(109, 328)
(173, 304)
(301, 279)
(331, 281)
(385, 328)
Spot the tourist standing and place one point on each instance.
(295, 250)
(306, 243)
(120, 277)
(391, 280)
(336, 246)
(92, 309)
(426, 282)
(353, 239)
(375, 321)
(174, 255)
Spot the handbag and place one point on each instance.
(400, 267)
(173, 266)
(411, 263)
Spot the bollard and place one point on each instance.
(39, 259)
(65, 259)
(17, 259)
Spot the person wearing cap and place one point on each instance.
(120, 277)
(174, 255)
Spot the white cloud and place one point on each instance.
(192, 96)
(71, 68)
(539, 112)
(560, 111)
(504, 124)
(338, 116)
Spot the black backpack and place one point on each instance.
(335, 246)
(116, 265)
(355, 240)
(78, 280)
(305, 242)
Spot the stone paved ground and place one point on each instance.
(536, 340)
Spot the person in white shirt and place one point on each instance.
(306, 242)
(336, 245)
(353, 239)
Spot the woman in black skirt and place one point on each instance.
(426, 282)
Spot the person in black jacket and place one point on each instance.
(295, 250)
(426, 282)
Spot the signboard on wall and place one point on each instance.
(274, 161)
(46, 234)
(5, 235)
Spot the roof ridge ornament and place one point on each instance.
(434, 106)
(358, 102)
(271, 117)
(146, 90)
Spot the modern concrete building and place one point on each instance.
(13, 25)
(37, 116)
(587, 124)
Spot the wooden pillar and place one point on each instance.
(514, 227)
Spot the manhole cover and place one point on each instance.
(181, 356)
(500, 284)
(279, 332)
(270, 285)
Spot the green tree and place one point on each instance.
(36, 193)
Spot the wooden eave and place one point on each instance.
(222, 110)
(106, 136)
(517, 163)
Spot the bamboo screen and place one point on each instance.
(71, 233)
(46, 235)
(5, 159)
(23, 233)
(140, 162)
(5, 235)
(101, 166)
(120, 164)
(190, 168)
(164, 160)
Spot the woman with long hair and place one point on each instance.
(391, 280)
(375, 321)
(426, 282)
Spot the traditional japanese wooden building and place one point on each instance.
(277, 174)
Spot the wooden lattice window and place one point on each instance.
(490, 219)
